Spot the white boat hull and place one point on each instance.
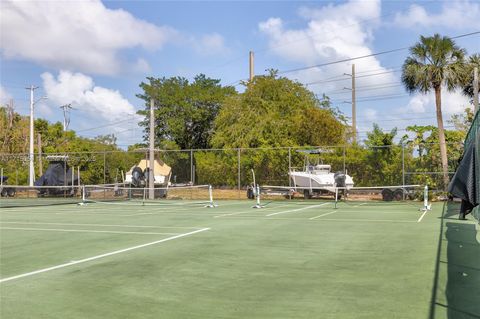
(318, 183)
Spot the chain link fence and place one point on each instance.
(232, 168)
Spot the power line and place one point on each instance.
(360, 76)
(377, 98)
(364, 56)
(370, 88)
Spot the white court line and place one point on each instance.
(421, 217)
(296, 210)
(238, 213)
(100, 256)
(230, 214)
(349, 220)
(323, 214)
(97, 225)
(369, 220)
(86, 231)
(360, 204)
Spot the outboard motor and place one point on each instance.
(340, 179)
(138, 179)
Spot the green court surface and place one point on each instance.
(290, 259)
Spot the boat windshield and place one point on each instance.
(319, 169)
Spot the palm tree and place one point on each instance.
(435, 63)
(473, 61)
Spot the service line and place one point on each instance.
(324, 214)
(297, 210)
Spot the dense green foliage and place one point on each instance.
(99, 159)
(184, 111)
(276, 111)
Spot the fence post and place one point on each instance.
(191, 165)
(403, 169)
(104, 167)
(289, 165)
(239, 171)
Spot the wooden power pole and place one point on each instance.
(354, 109)
(251, 65)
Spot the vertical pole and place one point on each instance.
(1, 177)
(251, 65)
(239, 171)
(354, 111)
(191, 166)
(151, 177)
(104, 167)
(403, 170)
(31, 172)
(78, 175)
(475, 89)
(344, 159)
(289, 165)
(40, 162)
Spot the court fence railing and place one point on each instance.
(230, 169)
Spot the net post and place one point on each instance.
(336, 196)
(257, 193)
(84, 200)
(211, 204)
(426, 205)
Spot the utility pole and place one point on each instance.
(354, 109)
(31, 172)
(66, 115)
(40, 163)
(251, 64)
(151, 193)
(475, 90)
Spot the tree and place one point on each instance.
(184, 111)
(435, 62)
(473, 61)
(276, 111)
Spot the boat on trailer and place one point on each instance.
(318, 179)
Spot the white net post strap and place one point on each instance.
(426, 205)
(211, 203)
(84, 199)
(258, 204)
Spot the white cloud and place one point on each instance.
(370, 114)
(333, 32)
(452, 102)
(98, 105)
(209, 44)
(5, 96)
(75, 35)
(458, 14)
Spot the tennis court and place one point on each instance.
(290, 259)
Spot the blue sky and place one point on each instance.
(94, 54)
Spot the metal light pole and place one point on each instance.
(31, 172)
(151, 177)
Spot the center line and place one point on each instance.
(323, 214)
(421, 217)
